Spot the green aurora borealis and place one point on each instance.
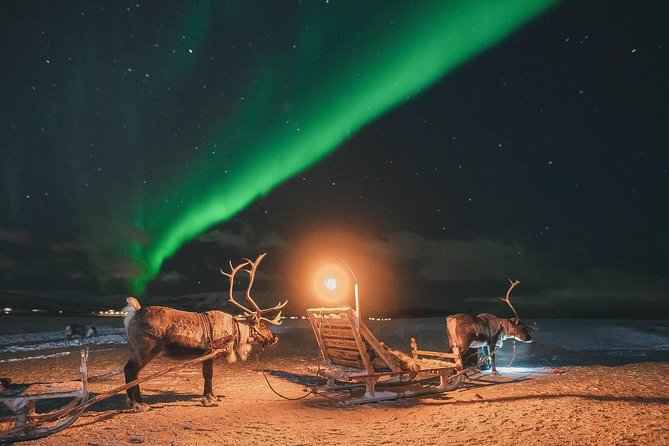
(369, 72)
(439, 146)
(134, 128)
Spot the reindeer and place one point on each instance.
(153, 329)
(80, 331)
(465, 331)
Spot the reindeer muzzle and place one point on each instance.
(269, 341)
(524, 339)
(263, 337)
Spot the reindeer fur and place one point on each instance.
(465, 331)
(154, 330)
(403, 361)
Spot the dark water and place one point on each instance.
(557, 341)
(39, 337)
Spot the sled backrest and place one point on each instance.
(344, 340)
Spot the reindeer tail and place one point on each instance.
(130, 309)
(133, 304)
(450, 332)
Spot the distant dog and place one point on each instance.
(82, 331)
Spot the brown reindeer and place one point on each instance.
(152, 330)
(465, 331)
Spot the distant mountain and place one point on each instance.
(22, 301)
(73, 302)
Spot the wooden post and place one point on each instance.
(83, 369)
(357, 300)
(355, 294)
(442, 379)
(317, 319)
(370, 386)
(414, 348)
(361, 345)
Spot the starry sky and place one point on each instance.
(439, 147)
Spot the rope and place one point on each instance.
(514, 354)
(209, 339)
(109, 393)
(471, 368)
(77, 410)
(206, 327)
(106, 375)
(311, 391)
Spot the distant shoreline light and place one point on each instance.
(112, 313)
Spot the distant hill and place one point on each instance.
(27, 302)
(77, 302)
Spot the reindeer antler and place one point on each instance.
(257, 311)
(276, 320)
(252, 276)
(231, 276)
(513, 284)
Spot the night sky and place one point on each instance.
(440, 148)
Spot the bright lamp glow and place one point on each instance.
(330, 283)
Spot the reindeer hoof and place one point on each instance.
(140, 407)
(208, 400)
(136, 407)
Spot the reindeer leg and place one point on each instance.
(493, 348)
(135, 365)
(134, 400)
(483, 353)
(208, 396)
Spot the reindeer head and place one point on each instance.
(259, 333)
(520, 331)
(517, 329)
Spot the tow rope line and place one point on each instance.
(311, 391)
(514, 354)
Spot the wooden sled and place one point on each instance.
(353, 356)
(26, 424)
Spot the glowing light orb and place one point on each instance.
(330, 283)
